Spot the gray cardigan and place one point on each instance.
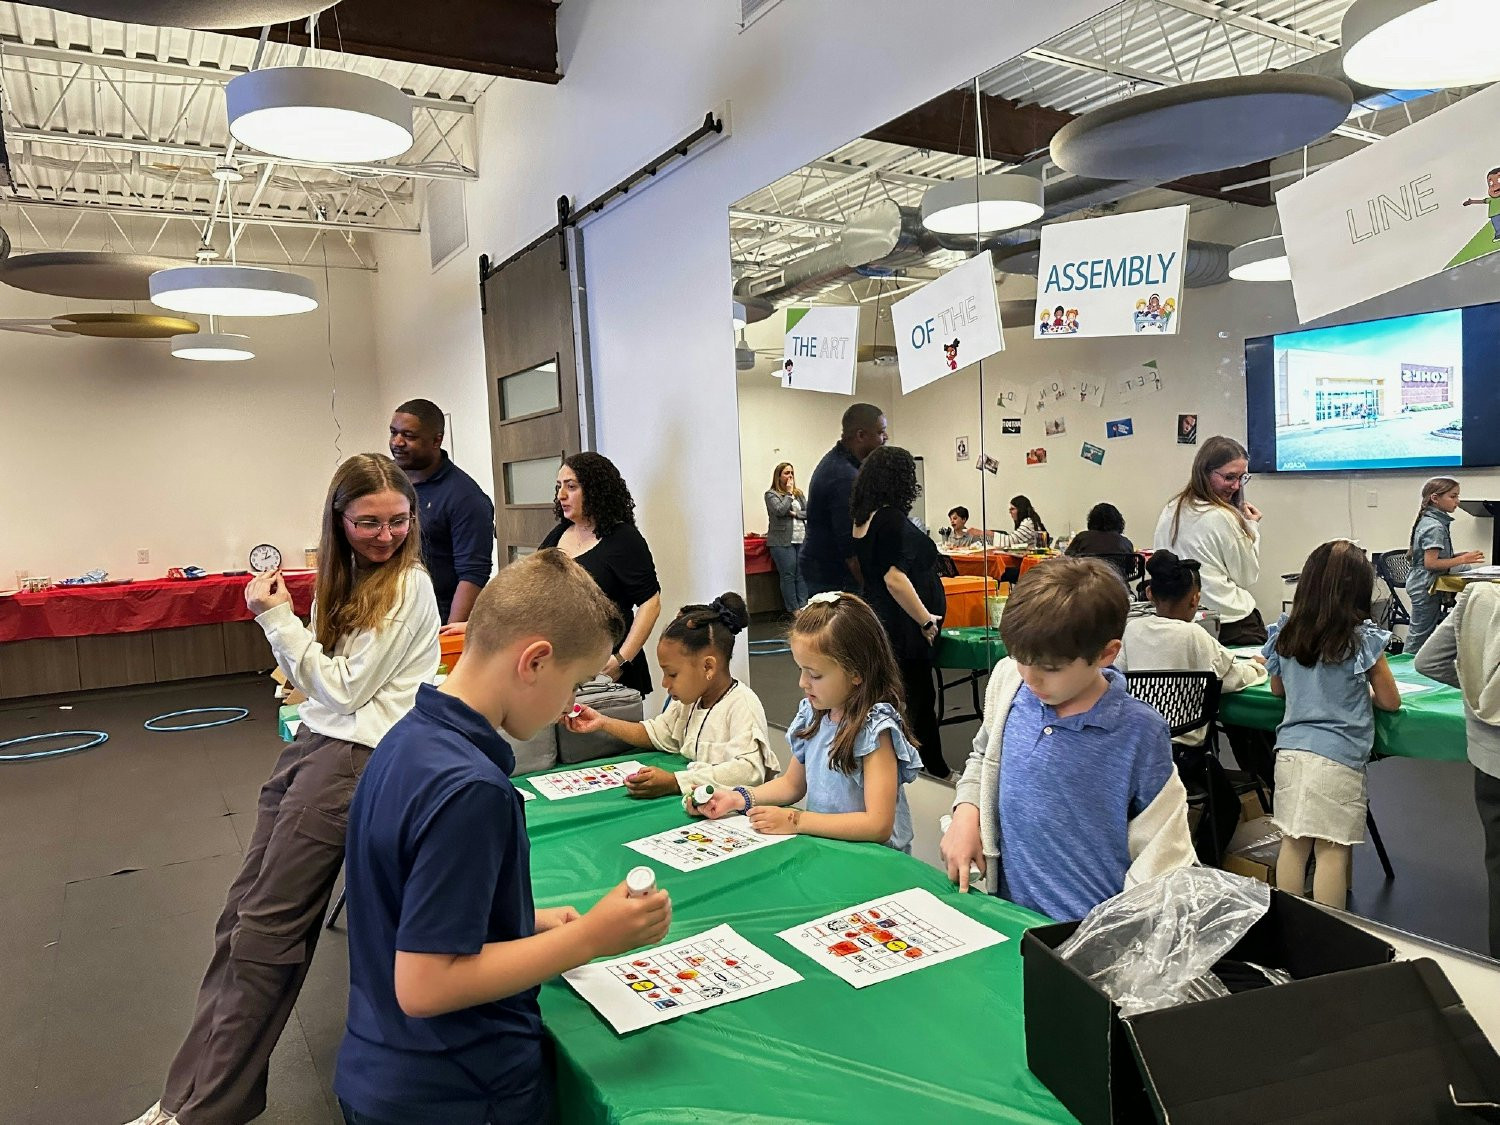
(787, 512)
(1438, 658)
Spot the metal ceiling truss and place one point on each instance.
(79, 125)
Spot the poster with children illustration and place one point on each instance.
(1119, 275)
(1423, 200)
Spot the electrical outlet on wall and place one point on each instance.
(1372, 499)
(142, 556)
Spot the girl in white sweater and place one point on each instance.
(1211, 521)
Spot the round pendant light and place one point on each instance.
(232, 291)
(1421, 44)
(317, 114)
(213, 347)
(982, 204)
(1262, 260)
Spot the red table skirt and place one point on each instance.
(757, 556)
(86, 611)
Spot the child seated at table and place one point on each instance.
(1162, 635)
(714, 721)
(1465, 653)
(1068, 769)
(446, 949)
(1328, 659)
(852, 753)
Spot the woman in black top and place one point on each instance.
(1105, 539)
(900, 567)
(596, 527)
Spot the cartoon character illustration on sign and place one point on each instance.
(1153, 314)
(1491, 199)
(1072, 318)
(950, 351)
(786, 373)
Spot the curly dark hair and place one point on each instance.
(606, 497)
(887, 479)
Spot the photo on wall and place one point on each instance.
(1037, 456)
(1055, 426)
(1010, 425)
(1092, 452)
(961, 447)
(1120, 427)
(1187, 429)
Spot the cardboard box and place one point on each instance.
(286, 691)
(1250, 869)
(1077, 1044)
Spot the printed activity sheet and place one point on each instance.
(703, 843)
(688, 975)
(890, 937)
(589, 779)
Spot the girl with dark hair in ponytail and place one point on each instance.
(714, 721)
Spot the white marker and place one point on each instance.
(577, 710)
(640, 882)
(702, 794)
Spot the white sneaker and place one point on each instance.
(154, 1116)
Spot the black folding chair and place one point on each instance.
(1189, 701)
(1392, 567)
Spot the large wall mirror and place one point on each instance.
(1065, 421)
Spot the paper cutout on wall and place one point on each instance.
(1086, 392)
(1012, 397)
(1048, 395)
(1010, 425)
(1138, 382)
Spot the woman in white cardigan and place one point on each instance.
(1211, 521)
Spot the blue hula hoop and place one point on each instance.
(244, 713)
(96, 737)
(772, 646)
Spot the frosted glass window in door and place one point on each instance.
(531, 482)
(533, 391)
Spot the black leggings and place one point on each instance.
(920, 684)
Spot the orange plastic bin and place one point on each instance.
(966, 595)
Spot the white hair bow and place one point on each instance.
(830, 597)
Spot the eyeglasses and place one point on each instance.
(395, 525)
(1230, 478)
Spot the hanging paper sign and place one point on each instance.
(1419, 202)
(820, 349)
(1116, 276)
(948, 324)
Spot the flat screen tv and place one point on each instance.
(1408, 392)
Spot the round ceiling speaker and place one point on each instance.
(123, 326)
(1200, 127)
(85, 274)
(199, 15)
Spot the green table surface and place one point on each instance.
(945, 1043)
(1430, 723)
(975, 647)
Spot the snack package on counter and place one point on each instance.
(1154, 945)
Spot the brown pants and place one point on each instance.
(264, 940)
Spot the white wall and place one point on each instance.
(640, 74)
(113, 445)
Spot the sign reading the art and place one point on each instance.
(948, 324)
(1116, 276)
(1419, 202)
(820, 349)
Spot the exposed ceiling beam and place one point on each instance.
(508, 38)
(1016, 134)
(90, 202)
(784, 220)
(1246, 22)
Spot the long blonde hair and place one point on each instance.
(1214, 454)
(350, 599)
(1437, 486)
(776, 481)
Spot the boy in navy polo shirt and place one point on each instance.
(1070, 795)
(446, 949)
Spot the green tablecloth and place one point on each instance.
(974, 647)
(943, 1044)
(1430, 723)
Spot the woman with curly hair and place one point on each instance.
(596, 527)
(900, 566)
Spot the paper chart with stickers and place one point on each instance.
(688, 975)
(591, 779)
(703, 843)
(889, 937)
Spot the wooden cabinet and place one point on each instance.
(115, 660)
(246, 648)
(40, 667)
(187, 654)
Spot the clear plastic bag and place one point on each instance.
(1154, 945)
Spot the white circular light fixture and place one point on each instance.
(982, 204)
(1421, 44)
(232, 291)
(212, 347)
(1262, 260)
(317, 114)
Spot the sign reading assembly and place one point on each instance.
(819, 350)
(1116, 276)
(948, 324)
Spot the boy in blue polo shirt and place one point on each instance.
(446, 949)
(1070, 795)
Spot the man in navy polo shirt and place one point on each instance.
(446, 948)
(456, 517)
(828, 549)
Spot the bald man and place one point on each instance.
(828, 551)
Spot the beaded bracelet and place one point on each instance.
(745, 793)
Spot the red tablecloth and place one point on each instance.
(86, 611)
(757, 557)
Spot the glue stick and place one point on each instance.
(702, 794)
(640, 882)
